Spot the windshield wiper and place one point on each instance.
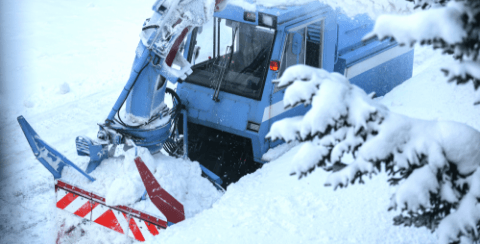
(222, 67)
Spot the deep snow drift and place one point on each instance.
(63, 64)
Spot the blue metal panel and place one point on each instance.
(140, 62)
(307, 18)
(147, 96)
(365, 51)
(152, 139)
(211, 175)
(97, 152)
(385, 77)
(201, 106)
(46, 155)
(340, 66)
(292, 112)
(351, 31)
(299, 13)
(185, 133)
(329, 41)
(230, 114)
(234, 13)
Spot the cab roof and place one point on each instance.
(283, 14)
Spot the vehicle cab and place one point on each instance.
(230, 99)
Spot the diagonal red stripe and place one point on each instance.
(134, 228)
(151, 227)
(84, 209)
(168, 205)
(176, 45)
(109, 220)
(66, 200)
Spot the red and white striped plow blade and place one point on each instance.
(92, 207)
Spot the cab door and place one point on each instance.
(303, 45)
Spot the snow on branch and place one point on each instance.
(451, 25)
(436, 164)
(443, 22)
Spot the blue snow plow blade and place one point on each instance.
(49, 157)
(211, 175)
(97, 153)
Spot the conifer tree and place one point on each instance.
(434, 164)
(450, 25)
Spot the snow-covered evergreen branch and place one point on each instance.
(453, 26)
(436, 164)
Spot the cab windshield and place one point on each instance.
(233, 57)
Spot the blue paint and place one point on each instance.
(386, 76)
(97, 156)
(297, 45)
(45, 154)
(351, 30)
(185, 133)
(97, 153)
(144, 196)
(138, 65)
(152, 139)
(148, 94)
(211, 175)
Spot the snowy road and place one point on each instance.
(45, 45)
(64, 64)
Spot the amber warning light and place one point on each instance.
(274, 65)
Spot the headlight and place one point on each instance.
(251, 126)
(267, 20)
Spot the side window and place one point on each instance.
(291, 54)
(314, 45)
(311, 48)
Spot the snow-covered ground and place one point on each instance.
(62, 66)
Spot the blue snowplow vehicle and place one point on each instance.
(225, 101)
(230, 99)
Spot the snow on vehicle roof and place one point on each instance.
(349, 7)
